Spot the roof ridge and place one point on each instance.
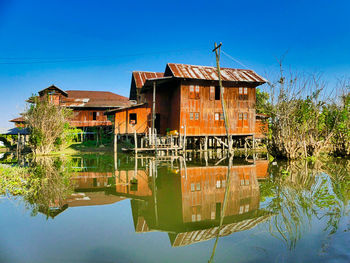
(208, 66)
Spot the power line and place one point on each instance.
(236, 60)
(80, 59)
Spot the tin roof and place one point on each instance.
(109, 112)
(18, 119)
(210, 73)
(84, 98)
(14, 131)
(140, 77)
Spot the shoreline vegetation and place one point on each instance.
(306, 119)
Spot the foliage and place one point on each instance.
(13, 180)
(263, 105)
(48, 124)
(68, 137)
(302, 123)
(44, 185)
(339, 117)
(299, 190)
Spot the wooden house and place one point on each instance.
(88, 106)
(186, 99)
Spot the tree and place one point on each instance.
(47, 123)
(263, 105)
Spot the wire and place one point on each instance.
(237, 61)
(78, 59)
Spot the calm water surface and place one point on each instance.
(97, 208)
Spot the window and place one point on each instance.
(212, 93)
(217, 93)
(217, 116)
(196, 116)
(132, 118)
(191, 94)
(94, 116)
(243, 93)
(197, 92)
(192, 187)
(240, 116)
(245, 116)
(198, 186)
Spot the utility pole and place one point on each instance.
(217, 51)
(153, 111)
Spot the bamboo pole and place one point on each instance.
(135, 140)
(154, 107)
(217, 55)
(223, 208)
(115, 141)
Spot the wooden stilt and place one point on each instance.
(135, 140)
(115, 142)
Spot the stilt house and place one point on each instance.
(88, 106)
(186, 99)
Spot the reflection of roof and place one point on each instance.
(210, 73)
(191, 237)
(92, 198)
(141, 77)
(84, 98)
(52, 211)
(141, 225)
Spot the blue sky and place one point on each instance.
(95, 45)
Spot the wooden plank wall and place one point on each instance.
(84, 118)
(122, 121)
(204, 103)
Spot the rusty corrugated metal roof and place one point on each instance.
(18, 119)
(84, 98)
(210, 73)
(141, 77)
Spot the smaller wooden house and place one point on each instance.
(88, 107)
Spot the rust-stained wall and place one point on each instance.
(167, 106)
(84, 118)
(122, 120)
(204, 103)
(261, 128)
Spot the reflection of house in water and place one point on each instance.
(91, 180)
(187, 202)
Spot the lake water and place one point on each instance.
(202, 208)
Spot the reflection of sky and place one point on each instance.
(106, 234)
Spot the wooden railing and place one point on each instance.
(90, 123)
